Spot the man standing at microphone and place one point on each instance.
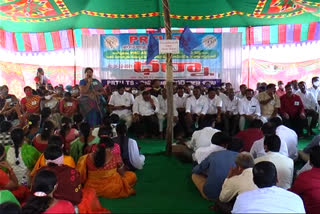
(91, 100)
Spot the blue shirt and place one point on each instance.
(217, 166)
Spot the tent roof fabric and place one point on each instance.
(53, 15)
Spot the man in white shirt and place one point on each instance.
(145, 108)
(284, 165)
(268, 198)
(240, 178)
(219, 142)
(162, 113)
(230, 113)
(310, 106)
(319, 111)
(315, 91)
(121, 104)
(196, 109)
(180, 99)
(249, 109)
(287, 135)
(214, 109)
(242, 93)
(257, 150)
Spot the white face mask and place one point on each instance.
(316, 83)
(48, 97)
(134, 91)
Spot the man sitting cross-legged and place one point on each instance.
(208, 176)
(268, 198)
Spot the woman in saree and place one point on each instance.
(83, 144)
(104, 171)
(30, 103)
(41, 162)
(67, 133)
(9, 181)
(69, 181)
(40, 141)
(21, 157)
(91, 101)
(43, 201)
(32, 128)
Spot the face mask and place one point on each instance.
(48, 97)
(191, 87)
(316, 83)
(5, 92)
(29, 93)
(134, 91)
(75, 91)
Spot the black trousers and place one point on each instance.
(230, 124)
(296, 123)
(209, 119)
(147, 126)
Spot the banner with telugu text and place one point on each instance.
(123, 57)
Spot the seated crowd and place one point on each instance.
(62, 148)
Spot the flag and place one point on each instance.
(188, 41)
(153, 48)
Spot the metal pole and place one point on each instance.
(169, 79)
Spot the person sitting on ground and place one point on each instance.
(145, 109)
(257, 150)
(218, 143)
(8, 103)
(250, 135)
(310, 106)
(121, 103)
(41, 162)
(284, 165)
(52, 103)
(129, 149)
(230, 113)
(45, 184)
(209, 176)
(83, 144)
(267, 198)
(67, 133)
(8, 203)
(307, 184)
(40, 141)
(5, 138)
(21, 157)
(68, 106)
(269, 103)
(196, 109)
(239, 180)
(288, 135)
(32, 128)
(249, 109)
(292, 111)
(9, 180)
(30, 104)
(69, 181)
(105, 172)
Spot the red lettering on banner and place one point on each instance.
(132, 39)
(143, 39)
(159, 37)
(141, 67)
(193, 67)
(154, 66)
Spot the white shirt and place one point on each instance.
(201, 138)
(268, 200)
(231, 105)
(203, 152)
(126, 99)
(284, 166)
(213, 104)
(290, 137)
(309, 102)
(163, 108)
(315, 92)
(136, 159)
(249, 107)
(144, 108)
(197, 106)
(239, 95)
(236, 185)
(180, 101)
(223, 96)
(257, 149)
